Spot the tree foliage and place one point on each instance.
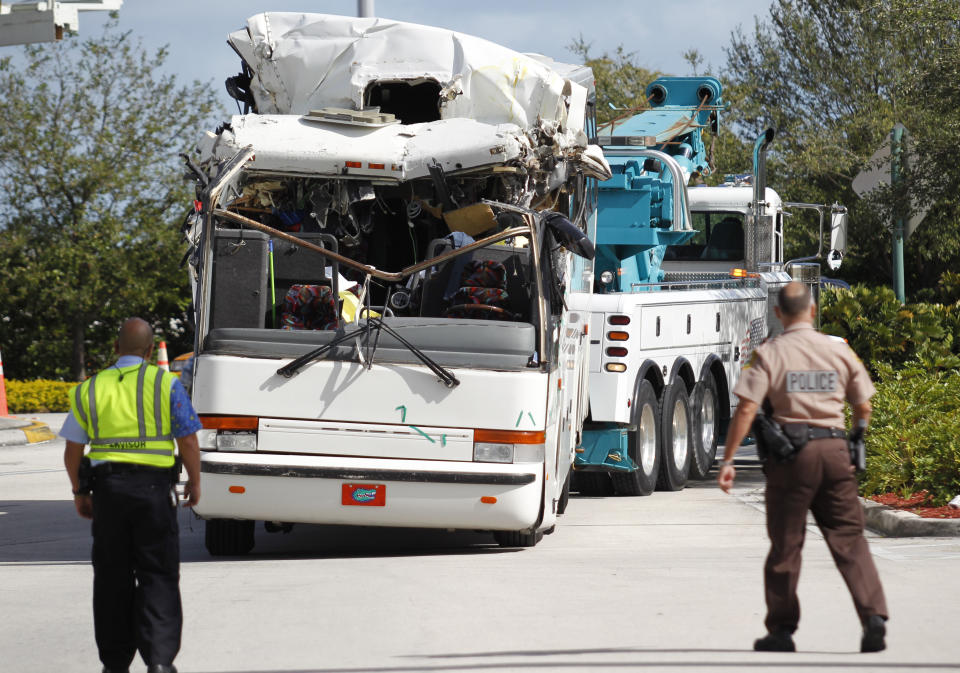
(833, 77)
(90, 199)
(620, 81)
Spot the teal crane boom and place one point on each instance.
(643, 207)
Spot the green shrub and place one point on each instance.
(28, 397)
(883, 331)
(914, 438)
(949, 287)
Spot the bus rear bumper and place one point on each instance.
(370, 491)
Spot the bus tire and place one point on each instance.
(229, 537)
(592, 484)
(675, 440)
(706, 426)
(643, 445)
(517, 538)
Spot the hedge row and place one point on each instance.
(913, 351)
(883, 331)
(30, 397)
(914, 439)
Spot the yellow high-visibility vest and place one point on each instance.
(126, 413)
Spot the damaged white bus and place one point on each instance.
(390, 256)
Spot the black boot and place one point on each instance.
(775, 641)
(161, 668)
(115, 670)
(873, 632)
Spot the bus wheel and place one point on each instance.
(229, 537)
(643, 447)
(517, 538)
(706, 417)
(564, 498)
(675, 440)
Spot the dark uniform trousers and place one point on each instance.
(819, 480)
(136, 568)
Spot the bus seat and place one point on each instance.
(484, 283)
(309, 307)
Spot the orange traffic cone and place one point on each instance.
(3, 391)
(162, 361)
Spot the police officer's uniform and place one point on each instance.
(125, 411)
(806, 376)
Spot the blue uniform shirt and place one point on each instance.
(183, 418)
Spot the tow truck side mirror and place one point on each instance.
(569, 236)
(838, 239)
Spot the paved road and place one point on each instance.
(665, 583)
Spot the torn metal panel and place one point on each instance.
(302, 62)
(289, 144)
(330, 90)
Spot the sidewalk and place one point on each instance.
(15, 431)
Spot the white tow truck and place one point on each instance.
(686, 286)
(391, 262)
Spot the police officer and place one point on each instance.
(806, 377)
(130, 414)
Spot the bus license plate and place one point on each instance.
(364, 495)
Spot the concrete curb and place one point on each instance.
(17, 432)
(892, 522)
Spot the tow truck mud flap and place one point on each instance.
(408, 493)
(604, 449)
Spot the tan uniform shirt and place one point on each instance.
(807, 376)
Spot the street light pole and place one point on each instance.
(896, 154)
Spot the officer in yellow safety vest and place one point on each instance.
(134, 416)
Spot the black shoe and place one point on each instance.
(162, 668)
(873, 632)
(775, 641)
(115, 670)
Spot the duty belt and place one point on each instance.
(115, 467)
(825, 433)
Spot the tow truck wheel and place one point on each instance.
(229, 537)
(675, 439)
(517, 538)
(643, 447)
(706, 414)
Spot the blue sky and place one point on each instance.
(658, 32)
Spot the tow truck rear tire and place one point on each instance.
(229, 537)
(706, 419)
(644, 447)
(675, 440)
(517, 538)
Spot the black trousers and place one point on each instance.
(136, 569)
(818, 480)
